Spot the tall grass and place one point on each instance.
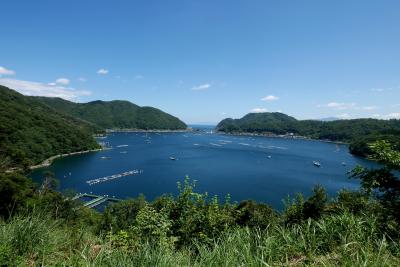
(343, 239)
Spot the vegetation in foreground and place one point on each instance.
(358, 132)
(41, 227)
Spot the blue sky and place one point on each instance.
(206, 60)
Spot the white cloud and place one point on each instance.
(201, 87)
(369, 108)
(395, 115)
(62, 81)
(5, 71)
(270, 98)
(258, 110)
(82, 79)
(102, 71)
(139, 76)
(43, 89)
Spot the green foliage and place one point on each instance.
(383, 182)
(116, 114)
(198, 218)
(122, 215)
(358, 132)
(31, 131)
(341, 239)
(154, 227)
(14, 190)
(255, 215)
(354, 202)
(299, 210)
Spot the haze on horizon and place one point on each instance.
(203, 61)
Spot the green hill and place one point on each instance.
(116, 114)
(357, 132)
(31, 131)
(277, 123)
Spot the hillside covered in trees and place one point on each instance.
(35, 128)
(357, 132)
(117, 114)
(31, 131)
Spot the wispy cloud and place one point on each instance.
(139, 76)
(369, 108)
(395, 115)
(336, 105)
(102, 71)
(201, 87)
(270, 98)
(343, 116)
(62, 81)
(43, 89)
(380, 90)
(5, 71)
(258, 110)
(346, 106)
(82, 79)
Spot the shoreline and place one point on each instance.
(147, 131)
(297, 137)
(49, 161)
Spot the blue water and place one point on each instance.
(222, 164)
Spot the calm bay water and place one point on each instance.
(259, 168)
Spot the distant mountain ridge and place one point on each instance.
(357, 132)
(116, 114)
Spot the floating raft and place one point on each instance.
(96, 199)
(113, 177)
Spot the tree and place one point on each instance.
(383, 182)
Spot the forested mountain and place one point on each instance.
(116, 114)
(31, 131)
(357, 132)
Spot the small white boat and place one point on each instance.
(172, 158)
(269, 157)
(316, 163)
(344, 163)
